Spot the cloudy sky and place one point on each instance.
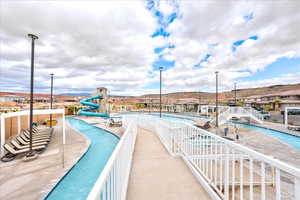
(122, 44)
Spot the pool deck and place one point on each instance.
(102, 123)
(157, 175)
(34, 179)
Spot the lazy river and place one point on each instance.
(78, 182)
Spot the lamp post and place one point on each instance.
(160, 80)
(235, 101)
(51, 99)
(33, 38)
(217, 103)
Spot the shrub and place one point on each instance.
(267, 107)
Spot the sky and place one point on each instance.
(122, 45)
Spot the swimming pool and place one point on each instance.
(162, 116)
(81, 178)
(284, 137)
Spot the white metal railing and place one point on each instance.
(113, 180)
(226, 169)
(226, 114)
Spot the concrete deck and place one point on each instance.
(102, 123)
(157, 175)
(33, 180)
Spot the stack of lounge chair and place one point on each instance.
(19, 144)
(116, 123)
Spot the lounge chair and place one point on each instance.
(36, 129)
(34, 139)
(23, 142)
(205, 126)
(35, 135)
(112, 122)
(19, 146)
(12, 153)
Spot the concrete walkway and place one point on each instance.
(157, 175)
(33, 180)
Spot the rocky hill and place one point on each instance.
(227, 94)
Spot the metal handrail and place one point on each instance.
(207, 154)
(113, 180)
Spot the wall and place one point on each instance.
(11, 123)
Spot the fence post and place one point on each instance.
(297, 188)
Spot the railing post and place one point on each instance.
(226, 177)
(297, 188)
(2, 133)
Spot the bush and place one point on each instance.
(240, 103)
(267, 107)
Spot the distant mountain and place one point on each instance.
(76, 94)
(228, 94)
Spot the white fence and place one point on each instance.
(226, 114)
(113, 180)
(226, 169)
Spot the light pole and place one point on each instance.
(160, 79)
(51, 98)
(235, 93)
(33, 38)
(217, 103)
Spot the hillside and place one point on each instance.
(228, 94)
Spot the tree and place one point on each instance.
(240, 103)
(267, 107)
(277, 103)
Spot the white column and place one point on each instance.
(19, 124)
(2, 134)
(297, 188)
(286, 117)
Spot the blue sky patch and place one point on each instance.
(205, 59)
(238, 43)
(162, 62)
(254, 37)
(248, 17)
(280, 67)
(160, 32)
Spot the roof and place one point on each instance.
(284, 93)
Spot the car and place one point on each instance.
(292, 112)
(265, 114)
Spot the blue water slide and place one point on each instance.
(91, 107)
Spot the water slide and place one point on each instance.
(92, 106)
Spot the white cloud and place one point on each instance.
(85, 44)
(97, 43)
(206, 23)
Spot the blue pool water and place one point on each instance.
(174, 118)
(284, 137)
(77, 184)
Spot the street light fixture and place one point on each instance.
(217, 102)
(51, 99)
(160, 83)
(33, 38)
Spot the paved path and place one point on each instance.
(157, 175)
(33, 180)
